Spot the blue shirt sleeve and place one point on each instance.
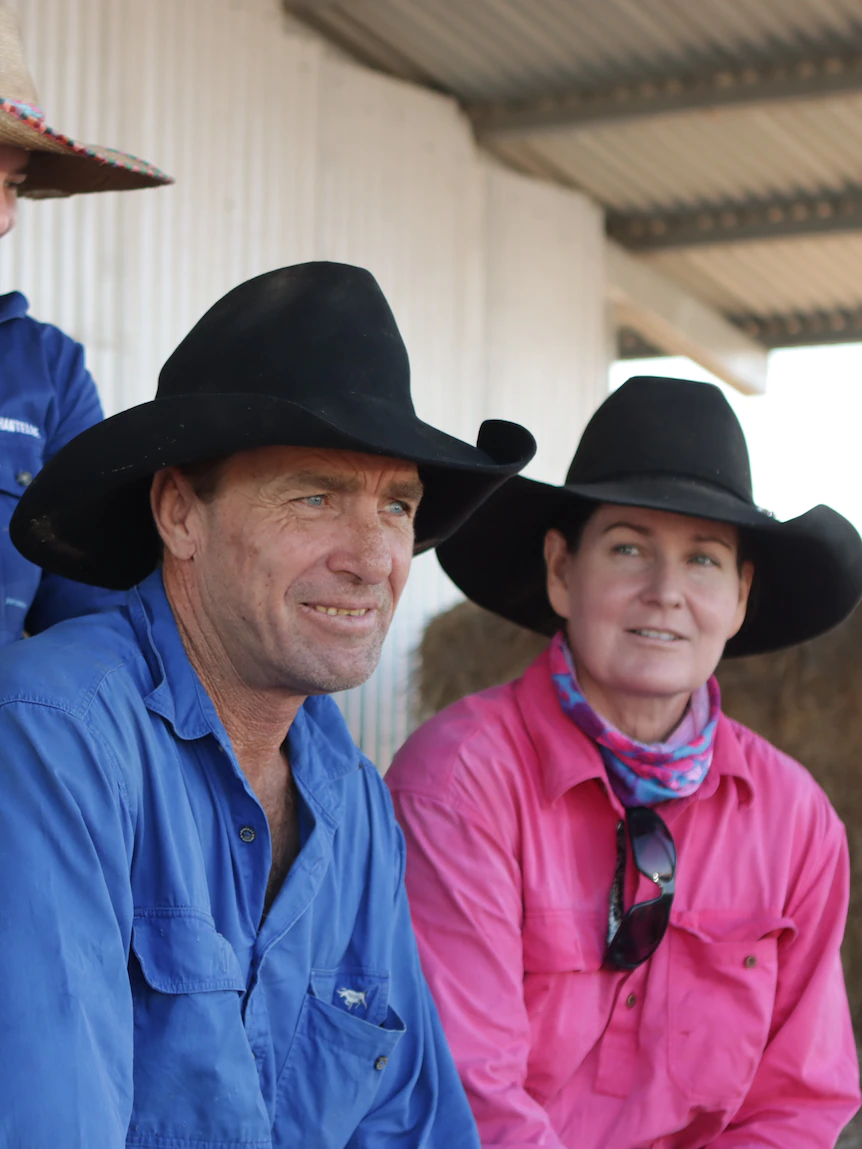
(65, 912)
(423, 1096)
(75, 407)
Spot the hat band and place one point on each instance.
(22, 109)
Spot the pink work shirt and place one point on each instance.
(736, 1033)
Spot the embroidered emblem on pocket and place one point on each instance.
(352, 997)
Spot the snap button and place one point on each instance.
(247, 834)
(24, 478)
(750, 962)
(381, 1062)
(632, 1000)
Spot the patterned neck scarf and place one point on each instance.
(643, 774)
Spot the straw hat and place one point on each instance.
(59, 165)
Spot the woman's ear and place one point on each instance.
(557, 565)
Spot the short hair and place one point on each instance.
(204, 476)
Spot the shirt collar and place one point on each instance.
(567, 757)
(13, 306)
(320, 746)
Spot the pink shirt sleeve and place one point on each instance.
(470, 941)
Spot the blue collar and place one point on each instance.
(13, 306)
(320, 747)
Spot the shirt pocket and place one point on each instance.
(721, 994)
(566, 993)
(338, 1058)
(19, 579)
(195, 1079)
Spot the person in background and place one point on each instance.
(204, 933)
(46, 393)
(629, 907)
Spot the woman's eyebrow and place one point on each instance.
(631, 526)
(713, 539)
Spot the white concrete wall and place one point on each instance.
(283, 152)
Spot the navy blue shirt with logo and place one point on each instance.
(47, 397)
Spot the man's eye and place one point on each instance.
(398, 507)
(704, 560)
(625, 549)
(315, 500)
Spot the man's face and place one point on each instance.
(13, 171)
(299, 560)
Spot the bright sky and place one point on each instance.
(803, 435)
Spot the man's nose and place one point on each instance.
(363, 549)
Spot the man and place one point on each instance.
(47, 395)
(204, 936)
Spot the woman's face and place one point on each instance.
(650, 599)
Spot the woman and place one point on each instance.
(629, 906)
(46, 393)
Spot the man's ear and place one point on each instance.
(556, 564)
(174, 506)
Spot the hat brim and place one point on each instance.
(808, 570)
(87, 516)
(62, 166)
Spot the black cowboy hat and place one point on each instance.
(303, 356)
(671, 445)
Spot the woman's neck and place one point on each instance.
(646, 719)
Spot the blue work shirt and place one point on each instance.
(47, 397)
(142, 1002)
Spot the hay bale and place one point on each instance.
(467, 649)
(805, 701)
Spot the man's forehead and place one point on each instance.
(307, 463)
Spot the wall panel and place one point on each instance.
(284, 152)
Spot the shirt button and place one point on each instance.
(24, 478)
(247, 834)
(632, 1000)
(750, 962)
(381, 1062)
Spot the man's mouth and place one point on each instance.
(660, 635)
(348, 612)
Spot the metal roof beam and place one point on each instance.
(803, 328)
(792, 80)
(731, 222)
(667, 317)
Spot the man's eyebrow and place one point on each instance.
(408, 489)
(323, 481)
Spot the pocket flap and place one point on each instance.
(730, 926)
(560, 941)
(184, 953)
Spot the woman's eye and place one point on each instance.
(625, 549)
(704, 560)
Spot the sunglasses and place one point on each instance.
(635, 935)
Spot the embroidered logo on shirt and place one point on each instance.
(352, 997)
(18, 426)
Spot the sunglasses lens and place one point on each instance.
(639, 934)
(652, 846)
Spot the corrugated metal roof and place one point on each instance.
(513, 50)
(509, 49)
(773, 276)
(707, 156)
